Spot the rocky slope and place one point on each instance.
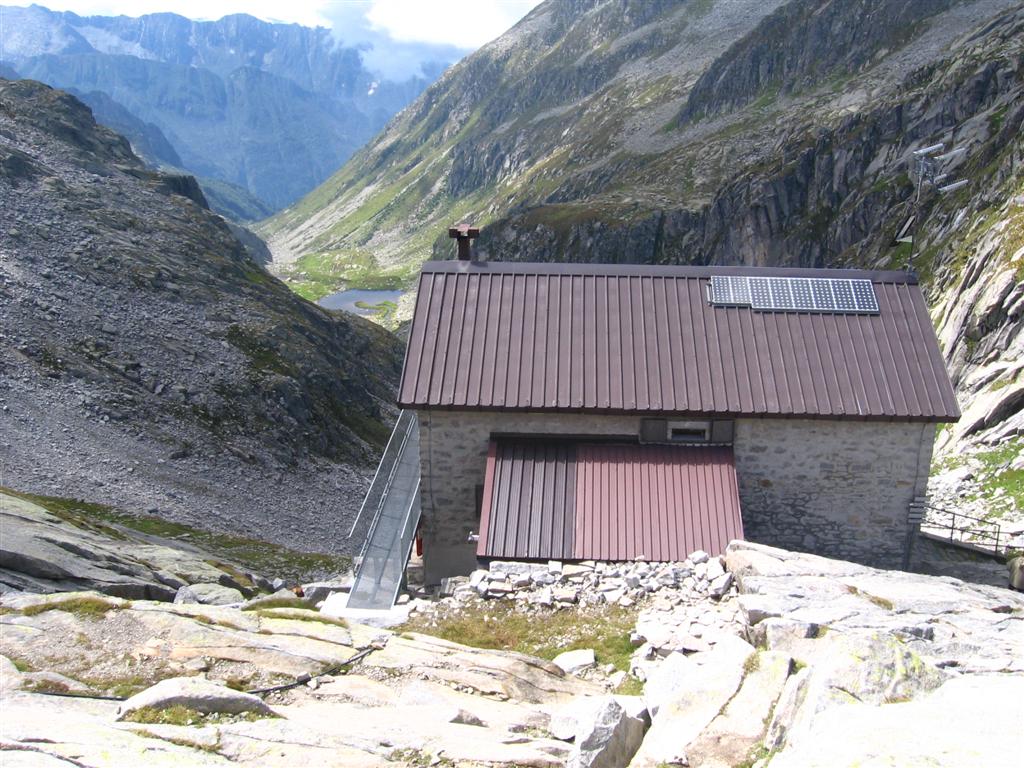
(148, 363)
(813, 662)
(272, 108)
(151, 146)
(775, 133)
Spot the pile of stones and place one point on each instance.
(667, 626)
(557, 585)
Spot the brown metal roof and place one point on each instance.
(627, 338)
(602, 501)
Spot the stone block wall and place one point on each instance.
(840, 489)
(836, 488)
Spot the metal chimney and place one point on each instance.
(464, 235)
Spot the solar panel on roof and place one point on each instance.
(802, 299)
(794, 294)
(760, 296)
(864, 296)
(821, 293)
(729, 290)
(782, 296)
(843, 292)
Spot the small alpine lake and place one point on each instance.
(360, 302)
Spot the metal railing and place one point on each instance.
(964, 528)
(405, 427)
(393, 500)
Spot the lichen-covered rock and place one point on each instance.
(196, 694)
(973, 720)
(209, 594)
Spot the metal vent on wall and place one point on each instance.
(794, 294)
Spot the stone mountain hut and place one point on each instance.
(613, 412)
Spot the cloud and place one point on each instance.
(464, 23)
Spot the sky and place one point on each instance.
(465, 24)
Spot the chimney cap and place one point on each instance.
(463, 230)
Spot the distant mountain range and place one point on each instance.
(264, 111)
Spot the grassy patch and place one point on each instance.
(997, 476)
(46, 686)
(315, 275)
(125, 687)
(280, 602)
(82, 607)
(631, 686)
(313, 616)
(760, 754)
(179, 715)
(253, 554)
(262, 355)
(20, 664)
(499, 627)
(752, 663)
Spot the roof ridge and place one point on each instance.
(689, 271)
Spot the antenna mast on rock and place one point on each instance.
(931, 163)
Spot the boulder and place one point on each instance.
(503, 568)
(714, 569)
(572, 662)
(738, 730)
(443, 703)
(451, 584)
(543, 598)
(971, 720)
(565, 595)
(1016, 566)
(720, 585)
(41, 552)
(684, 695)
(194, 693)
(268, 600)
(700, 556)
(544, 577)
(319, 591)
(606, 735)
(679, 675)
(844, 668)
(335, 604)
(209, 594)
(10, 676)
(498, 589)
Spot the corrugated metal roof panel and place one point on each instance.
(658, 502)
(560, 500)
(612, 338)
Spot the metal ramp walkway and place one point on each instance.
(393, 501)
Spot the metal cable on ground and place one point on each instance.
(300, 680)
(303, 679)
